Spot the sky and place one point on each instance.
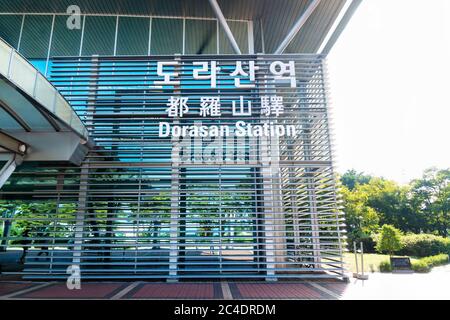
(389, 78)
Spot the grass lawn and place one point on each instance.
(371, 261)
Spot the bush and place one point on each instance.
(424, 245)
(425, 264)
(420, 266)
(436, 260)
(385, 266)
(390, 239)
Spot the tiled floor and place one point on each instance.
(60, 291)
(163, 290)
(176, 291)
(433, 285)
(10, 287)
(276, 291)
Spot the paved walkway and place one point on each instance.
(434, 285)
(411, 286)
(163, 290)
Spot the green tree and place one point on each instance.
(389, 240)
(392, 202)
(351, 179)
(430, 196)
(361, 220)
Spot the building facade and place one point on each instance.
(204, 139)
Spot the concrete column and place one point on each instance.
(84, 174)
(311, 191)
(81, 212)
(274, 230)
(174, 212)
(275, 243)
(175, 199)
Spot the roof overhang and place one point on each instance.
(272, 20)
(36, 122)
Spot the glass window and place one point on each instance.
(201, 36)
(132, 37)
(10, 28)
(36, 36)
(167, 36)
(65, 42)
(99, 35)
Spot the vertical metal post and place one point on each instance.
(362, 259)
(149, 36)
(49, 44)
(19, 42)
(251, 40)
(116, 35)
(184, 36)
(217, 36)
(355, 251)
(263, 45)
(82, 35)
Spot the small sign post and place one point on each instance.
(401, 264)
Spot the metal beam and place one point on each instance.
(341, 26)
(297, 26)
(12, 144)
(9, 168)
(15, 116)
(225, 26)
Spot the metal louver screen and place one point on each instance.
(265, 209)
